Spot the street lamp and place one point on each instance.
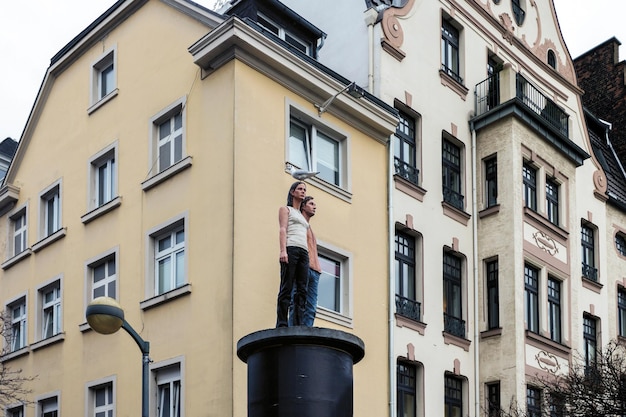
(106, 316)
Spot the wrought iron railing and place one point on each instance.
(487, 94)
(590, 272)
(453, 198)
(536, 101)
(453, 325)
(452, 73)
(408, 308)
(406, 171)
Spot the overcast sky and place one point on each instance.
(32, 31)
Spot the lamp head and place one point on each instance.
(105, 315)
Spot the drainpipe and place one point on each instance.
(392, 288)
(371, 16)
(475, 274)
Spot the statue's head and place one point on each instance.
(291, 190)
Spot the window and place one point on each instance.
(533, 402)
(451, 166)
(554, 309)
(101, 401)
(493, 399)
(621, 311)
(518, 11)
(452, 299)
(293, 40)
(315, 149)
(491, 181)
(170, 140)
(552, 201)
(168, 388)
(17, 310)
(329, 287)
(48, 407)
(16, 411)
(19, 229)
(50, 301)
(531, 304)
(103, 177)
(104, 77)
(589, 269)
(620, 243)
(102, 279)
(557, 405)
(406, 304)
(169, 258)
(590, 341)
(551, 58)
(407, 393)
(453, 397)
(529, 175)
(493, 297)
(405, 158)
(450, 60)
(50, 205)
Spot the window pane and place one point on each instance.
(298, 146)
(164, 275)
(327, 158)
(180, 268)
(329, 284)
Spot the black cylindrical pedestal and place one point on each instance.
(300, 371)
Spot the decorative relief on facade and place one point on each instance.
(548, 362)
(507, 22)
(599, 181)
(392, 30)
(545, 243)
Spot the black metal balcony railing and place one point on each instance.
(590, 272)
(452, 73)
(487, 94)
(453, 198)
(406, 171)
(536, 101)
(408, 308)
(453, 325)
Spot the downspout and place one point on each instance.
(392, 289)
(371, 16)
(475, 274)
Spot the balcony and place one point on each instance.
(508, 94)
(453, 198)
(408, 308)
(454, 325)
(589, 272)
(406, 171)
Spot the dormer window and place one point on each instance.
(283, 34)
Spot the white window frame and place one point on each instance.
(168, 114)
(91, 388)
(344, 315)
(50, 223)
(21, 213)
(108, 158)
(152, 256)
(313, 127)
(90, 269)
(169, 258)
(102, 63)
(47, 404)
(168, 373)
(22, 302)
(283, 34)
(55, 306)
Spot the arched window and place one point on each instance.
(551, 58)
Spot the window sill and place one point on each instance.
(162, 298)
(418, 326)
(592, 285)
(59, 337)
(15, 354)
(491, 333)
(489, 211)
(453, 84)
(332, 189)
(95, 106)
(103, 209)
(450, 339)
(547, 344)
(167, 173)
(455, 214)
(12, 261)
(545, 224)
(48, 240)
(333, 317)
(407, 187)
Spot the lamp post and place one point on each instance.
(106, 316)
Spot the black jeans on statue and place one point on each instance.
(295, 272)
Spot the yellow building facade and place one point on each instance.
(151, 170)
